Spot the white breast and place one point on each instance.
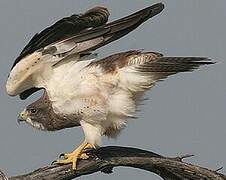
(68, 82)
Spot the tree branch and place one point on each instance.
(106, 158)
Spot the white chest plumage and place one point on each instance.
(71, 88)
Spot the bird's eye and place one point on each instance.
(33, 111)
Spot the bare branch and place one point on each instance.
(106, 158)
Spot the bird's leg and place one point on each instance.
(75, 155)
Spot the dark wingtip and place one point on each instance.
(159, 6)
(205, 61)
(209, 61)
(155, 9)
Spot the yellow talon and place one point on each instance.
(75, 155)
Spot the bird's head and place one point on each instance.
(36, 115)
(40, 115)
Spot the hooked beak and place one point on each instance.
(22, 117)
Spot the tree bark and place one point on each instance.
(106, 158)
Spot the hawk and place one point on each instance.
(81, 90)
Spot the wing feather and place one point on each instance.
(137, 71)
(65, 28)
(91, 39)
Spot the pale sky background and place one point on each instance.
(184, 114)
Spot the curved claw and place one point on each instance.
(61, 155)
(74, 156)
(54, 162)
(87, 150)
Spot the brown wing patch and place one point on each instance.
(113, 62)
(117, 61)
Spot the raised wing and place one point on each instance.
(65, 28)
(64, 49)
(62, 29)
(137, 71)
(93, 38)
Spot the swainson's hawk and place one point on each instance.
(80, 90)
